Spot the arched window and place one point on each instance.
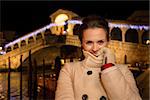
(8, 49)
(48, 31)
(131, 36)
(30, 39)
(16, 46)
(38, 36)
(146, 37)
(23, 43)
(116, 34)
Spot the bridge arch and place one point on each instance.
(47, 53)
(131, 35)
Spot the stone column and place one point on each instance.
(123, 34)
(140, 32)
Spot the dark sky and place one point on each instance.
(27, 16)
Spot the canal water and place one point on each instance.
(50, 83)
(14, 85)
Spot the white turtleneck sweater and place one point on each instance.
(85, 79)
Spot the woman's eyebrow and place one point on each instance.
(102, 40)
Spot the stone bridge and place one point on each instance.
(128, 41)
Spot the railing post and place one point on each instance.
(44, 87)
(9, 69)
(125, 59)
(30, 77)
(21, 77)
(57, 66)
(35, 81)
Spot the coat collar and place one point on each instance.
(92, 61)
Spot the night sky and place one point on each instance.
(27, 16)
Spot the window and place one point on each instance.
(30, 40)
(146, 37)
(116, 34)
(23, 43)
(131, 36)
(8, 49)
(16, 46)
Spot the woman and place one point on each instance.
(97, 76)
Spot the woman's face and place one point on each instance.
(93, 40)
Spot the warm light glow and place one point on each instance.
(41, 30)
(138, 27)
(62, 61)
(1, 48)
(74, 21)
(61, 18)
(2, 52)
(148, 42)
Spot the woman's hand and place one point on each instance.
(109, 56)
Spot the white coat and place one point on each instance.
(77, 80)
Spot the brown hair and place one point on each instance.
(93, 21)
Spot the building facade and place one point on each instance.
(129, 40)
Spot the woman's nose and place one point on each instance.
(95, 47)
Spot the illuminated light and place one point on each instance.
(64, 32)
(61, 24)
(31, 34)
(2, 52)
(1, 48)
(133, 27)
(146, 27)
(138, 27)
(148, 42)
(62, 61)
(74, 21)
(61, 18)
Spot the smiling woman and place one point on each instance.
(97, 76)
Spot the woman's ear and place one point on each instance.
(82, 55)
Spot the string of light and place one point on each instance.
(137, 27)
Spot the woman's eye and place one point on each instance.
(100, 42)
(89, 42)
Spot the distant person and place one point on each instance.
(97, 76)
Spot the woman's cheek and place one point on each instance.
(87, 47)
(103, 45)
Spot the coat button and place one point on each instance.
(102, 98)
(84, 97)
(89, 72)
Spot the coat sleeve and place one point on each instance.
(119, 84)
(64, 89)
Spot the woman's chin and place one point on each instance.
(96, 55)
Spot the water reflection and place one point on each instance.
(50, 86)
(14, 85)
